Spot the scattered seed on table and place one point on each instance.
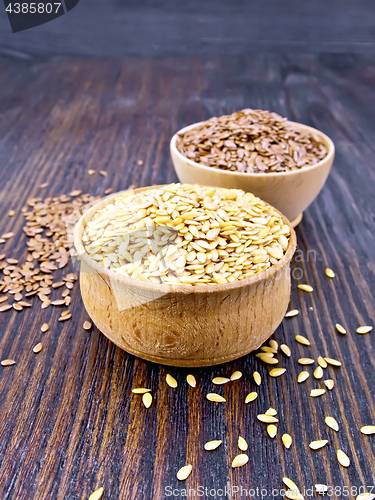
(17, 307)
(44, 185)
(306, 361)
(302, 377)
(290, 484)
(24, 303)
(140, 390)
(44, 328)
(190, 379)
(147, 399)
(5, 307)
(272, 430)
(362, 330)
(216, 398)
(220, 380)
(333, 362)
(343, 458)
(271, 411)
(330, 273)
(332, 423)
(242, 444)
(303, 340)
(87, 325)
(267, 352)
(8, 362)
(267, 419)
(184, 472)
(91, 172)
(305, 288)
(291, 313)
(59, 302)
(368, 430)
(38, 347)
(235, 376)
(103, 173)
(172, 382)
(321, 489)
(268, 349)
(340, 329)
(65, 318)
(212, 445)
(315, 393)
(97, 494)
(322, 362)
(75, 192)
(269, 356)
(251, 397)
(330, 384)
(240, 460)
(139, 162)
(11, 213)
(317, 445)
(269, 360)
(286, 350)
(287, 440)
(274, 344)
(7, 236)
(3, 299)
(318, 373)
(257, 378)
(277, 372)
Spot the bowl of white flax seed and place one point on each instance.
(284, 163)
(185, 275)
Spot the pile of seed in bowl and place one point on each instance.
(252, 141)
(187, 235)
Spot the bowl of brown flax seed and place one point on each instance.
(185, 275)
(284, 163)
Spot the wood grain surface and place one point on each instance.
(69, 423)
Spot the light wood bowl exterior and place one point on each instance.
(290, 192)
(183, 325)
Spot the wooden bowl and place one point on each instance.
(290, 192)
(183, 325)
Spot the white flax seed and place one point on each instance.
(190, 379)
(240, 460)
(212, 445)
(184, 472)
(242, 444)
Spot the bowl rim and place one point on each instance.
(165, 288)
(328, 142)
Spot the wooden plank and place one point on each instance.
(68, 421)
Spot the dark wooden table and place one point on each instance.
(69, 423)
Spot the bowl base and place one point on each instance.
(294, 223)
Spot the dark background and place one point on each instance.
(150, 28)
(107, 85)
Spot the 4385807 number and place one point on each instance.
(33, 8)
